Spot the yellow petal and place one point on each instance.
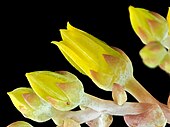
(84, 47)
(43, 82)
(168, 19)
(83, 66)
(18, 100)
(68, 58)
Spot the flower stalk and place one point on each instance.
(95, 106)
(143, 96)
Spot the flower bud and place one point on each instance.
(61, 89)
(118, 94)
(165, 63)
(20, 124)
(30, 105)
(94, 58)
(149, 26)
(152, 54)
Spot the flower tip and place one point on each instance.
(131, 8)
(68, 25)
(28, 75)
(9, 94)
(63, 33)
(54, 42)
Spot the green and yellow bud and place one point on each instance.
(61, 89)
(165, 63)
(152, 54)
(30, 105)
(149, 26)
(20, 124)
(94, 58)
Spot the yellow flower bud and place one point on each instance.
(61, 89)
(149, 26)
(94, 58)
(152, 54)
(30, 105)
(20, 124)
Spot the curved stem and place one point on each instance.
(142, 95)
(80, 116)
(110, 107)
(95, 107)
(133, 87)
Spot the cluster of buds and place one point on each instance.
(50, 92)
(53, 95)
(154, 31)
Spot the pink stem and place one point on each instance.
(142, 95)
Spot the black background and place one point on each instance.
(27, 30)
